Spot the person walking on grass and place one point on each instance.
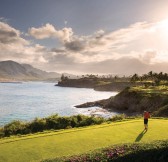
(146, 116)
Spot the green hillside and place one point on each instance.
(81, 140)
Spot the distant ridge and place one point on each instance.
(11, 70)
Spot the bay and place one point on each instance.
(28, 100)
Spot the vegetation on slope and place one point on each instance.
(135, 100)
(163, 111)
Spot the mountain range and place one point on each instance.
(13, 71)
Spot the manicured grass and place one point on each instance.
(81, 140)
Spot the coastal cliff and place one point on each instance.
(98, 84)
(78, 83)
(133, 101)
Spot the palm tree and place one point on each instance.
(134, 78)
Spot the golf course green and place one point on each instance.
(75, 141)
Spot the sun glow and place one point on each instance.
(164, 26)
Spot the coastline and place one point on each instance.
(131, 102)
(17, 82)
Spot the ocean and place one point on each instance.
(28, 100)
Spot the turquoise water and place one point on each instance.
(28, 100)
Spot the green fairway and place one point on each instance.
(81, 140)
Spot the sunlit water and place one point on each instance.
(28, 100)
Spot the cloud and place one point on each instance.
(57, 50)
(14, 47)
(10, 35)
(2, 19)
(75, 45)
(65, 22)
(49, 31)
(123, 66)
(46, 31)
(127, 66)
(124, 51)
(102, 41)
(133, 49)
(148, 56)
(99, 41)
(61, 59)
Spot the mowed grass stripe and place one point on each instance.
(77, 141)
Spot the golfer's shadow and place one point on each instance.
(139, 137)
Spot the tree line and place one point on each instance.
(155, 78)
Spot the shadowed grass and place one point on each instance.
(139, 137)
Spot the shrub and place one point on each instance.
(37, 125)
(117, 117)
(2, 134)
(15, 127)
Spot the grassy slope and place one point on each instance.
(77, 141)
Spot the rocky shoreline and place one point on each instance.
(131, 102)
(128, 100)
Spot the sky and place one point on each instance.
(118, 37)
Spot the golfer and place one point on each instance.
(146, 116)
